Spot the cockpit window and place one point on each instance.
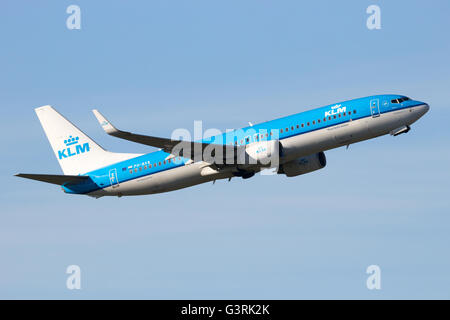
(400, 100)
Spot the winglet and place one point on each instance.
(106, 125)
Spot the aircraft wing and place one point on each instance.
(187, 149)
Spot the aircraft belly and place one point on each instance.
(164, 181)
(305, 144)
(385, 123)
(179, 178)
(352, 132)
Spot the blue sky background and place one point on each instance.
(154, 66)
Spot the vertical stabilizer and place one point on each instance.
(75, 151)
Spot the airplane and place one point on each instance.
(291, 145)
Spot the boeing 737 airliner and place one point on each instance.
(291, 145)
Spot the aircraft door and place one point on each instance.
(375, 108)
(113, 178)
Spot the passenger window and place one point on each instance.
(140, 168)
(344, 114)
(292, 128)
(267, 135)
(303, 125)
(314, 122)
(135, 170)
(318, 121)
(339, 115)
(131, 171)
(307, 123)
(354, 111)
(159, 163)
(329, 118)
(164, 161)
(324, 119)
(287, 129)
(297, 126)
(145, 167)
(281, 130)
(149, 165)
(334, 117)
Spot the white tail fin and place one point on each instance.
(75, 151)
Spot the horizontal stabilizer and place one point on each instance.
(58, 179)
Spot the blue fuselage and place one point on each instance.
(333, 115)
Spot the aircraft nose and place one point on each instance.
(423, 108)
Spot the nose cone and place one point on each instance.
(424, 108)
(421, 108)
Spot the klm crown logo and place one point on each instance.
(71, 141)
(73, 148)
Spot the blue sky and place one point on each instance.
(154, 66)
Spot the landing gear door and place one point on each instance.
(375, 108)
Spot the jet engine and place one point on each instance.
(263, 153)
(303, 165)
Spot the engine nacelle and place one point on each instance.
(263, 153)
(303, 165)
